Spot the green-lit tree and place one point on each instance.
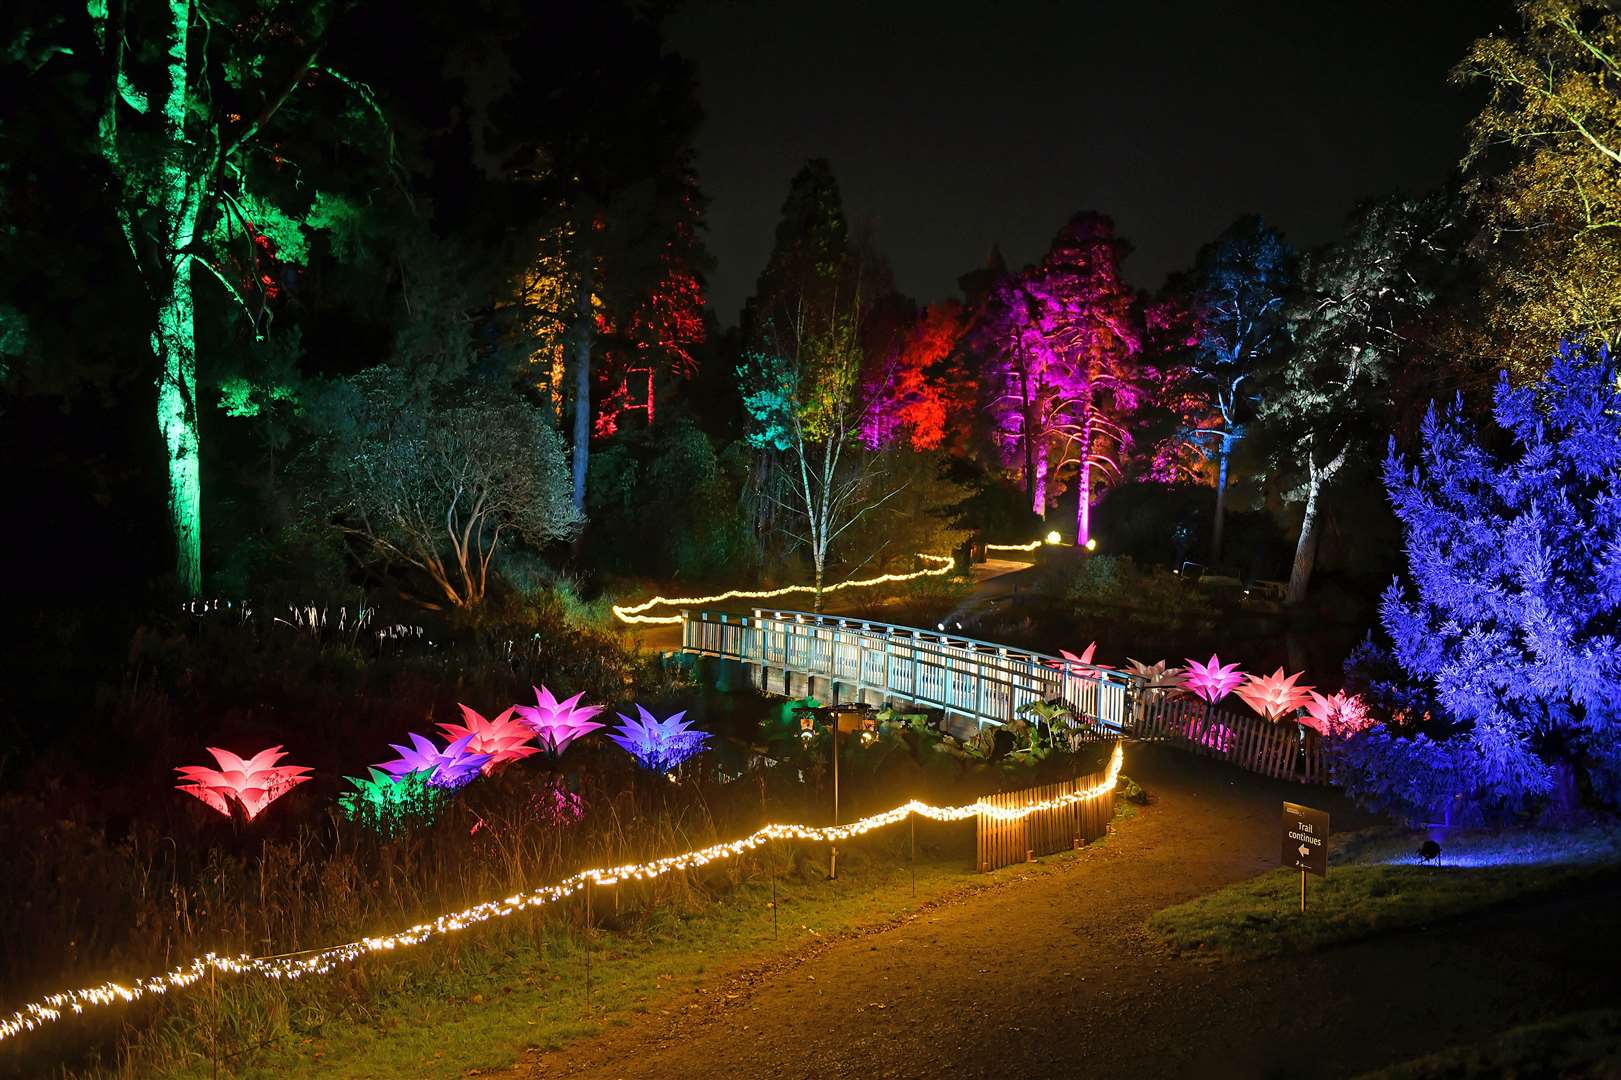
(185, 98)
(801, 373)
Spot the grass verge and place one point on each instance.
(1582, 1045)
(477, 1005)
(1373, 888)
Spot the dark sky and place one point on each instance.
(953, 125)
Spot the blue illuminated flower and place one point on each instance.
(659, 745)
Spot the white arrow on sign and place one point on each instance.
(1304, 851)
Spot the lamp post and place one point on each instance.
(808, 716)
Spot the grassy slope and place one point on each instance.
(1586, 1044)
(1374, 888)
(480, 1005)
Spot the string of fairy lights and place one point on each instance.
(942, 564)
(290, 966)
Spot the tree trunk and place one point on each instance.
(820, 569)
(1306, 548)
(1221, 500)
(1083, 486)
(1038, 497)
(583, 317)
(175, 347)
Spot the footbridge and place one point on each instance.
(839, 659)
(974, 683)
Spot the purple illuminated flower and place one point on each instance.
(558, 723)
(659, 745)
(453, 767)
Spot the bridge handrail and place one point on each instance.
(1102, 672)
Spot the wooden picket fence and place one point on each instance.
(1283, 749)
(1002, 843)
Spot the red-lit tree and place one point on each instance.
(910, 396)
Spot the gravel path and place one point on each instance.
(1054, 974)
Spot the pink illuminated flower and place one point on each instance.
(1213, 681)
(253, 784)
(1076, 665)
(1340, 716)
(558, 723)
(1273, 695)
(503, 740)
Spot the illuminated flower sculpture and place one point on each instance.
(253, 784)
(503, 740)
(558, 723)
(1159, 677)
(453, 767)
(657, 744)
(1213, 681)
(1274, 696)
(387, 803)
(1076, 664)
(1337, 717)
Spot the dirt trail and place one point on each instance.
(1057, 975)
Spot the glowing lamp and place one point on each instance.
(1091, 543)
(1054, 538)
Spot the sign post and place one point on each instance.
(1305, 843)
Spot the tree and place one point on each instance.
(1509, 613)
(1545, 153)
(438, 486)
(800, 373)
(1352, 323)
(1240, 281)
(185, 97)
(1061, 337)
(1098, 330)
(909, 396)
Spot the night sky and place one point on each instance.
(951, 127)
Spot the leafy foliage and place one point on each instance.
(1508, 611)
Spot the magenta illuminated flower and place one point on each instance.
(1337, 717)
(1274, 696)
(503, 740)
(453, 767)
(1213, 681)
(253, 784)
(657, 744)
(558, 723)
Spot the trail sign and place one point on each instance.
(1305, 839)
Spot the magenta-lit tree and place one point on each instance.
(1062, 337)
(1098, 334)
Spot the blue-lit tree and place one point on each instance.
(1509, 610)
